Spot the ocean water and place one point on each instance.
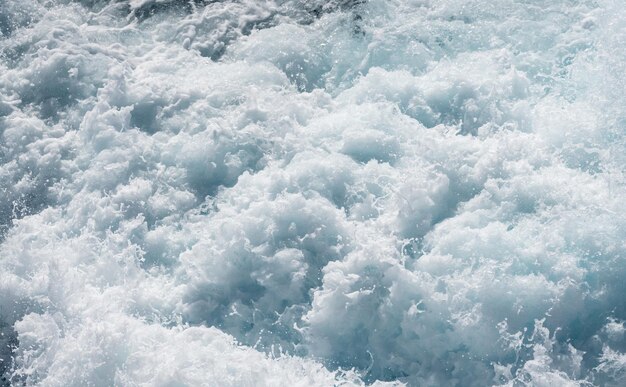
(312, 193)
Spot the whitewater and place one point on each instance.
(312, 193)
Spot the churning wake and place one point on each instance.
(300, 193)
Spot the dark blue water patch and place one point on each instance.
(14, 15)
(299, 12)
(8, 341)
(11, 310)
(144, 116)
(319, 8)
(179, 7)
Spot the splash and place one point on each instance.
(304, 193)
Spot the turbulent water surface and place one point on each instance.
(299, 193)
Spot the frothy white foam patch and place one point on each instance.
(117, 349)
(312, 193)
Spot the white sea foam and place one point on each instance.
(317, 192)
